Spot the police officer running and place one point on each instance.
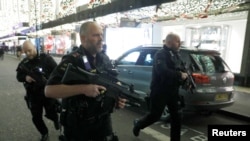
(33, 71)
(164, 87)
(84, 118)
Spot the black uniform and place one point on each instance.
(85, 118)
(2, 53)
(39, 69)
(164, 91)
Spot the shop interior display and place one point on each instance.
(207, 37)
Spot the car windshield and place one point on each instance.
(208, 63)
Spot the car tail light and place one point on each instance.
(200, 78)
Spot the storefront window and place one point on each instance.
(208, 37)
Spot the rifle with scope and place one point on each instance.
(77, 75)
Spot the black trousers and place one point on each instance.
(98, 130)
(38, 103)
(158, 101)
(2, 56)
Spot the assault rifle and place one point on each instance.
(76, 75)
(37, 74)
(189, 83)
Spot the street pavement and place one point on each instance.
(240, 108)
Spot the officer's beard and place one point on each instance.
(93, 50)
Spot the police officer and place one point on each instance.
(164, 87)
(33, 71)
(83, 117)
(1, 52)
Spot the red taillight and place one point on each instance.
(200, 78)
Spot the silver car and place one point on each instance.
(213, 78)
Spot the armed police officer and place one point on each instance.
(33, 71)
(84, 116)
(166, 79)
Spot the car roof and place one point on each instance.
(183, 48)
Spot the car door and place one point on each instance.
(143, 70)
(135, 67)
(126, 64)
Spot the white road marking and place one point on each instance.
(193, 130)
(155, 134)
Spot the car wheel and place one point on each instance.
(165, 115)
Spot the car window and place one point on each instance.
(148, 56)
(148, 60)
(130, 59)
(209, 63)
(142, 57)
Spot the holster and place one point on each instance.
(182, 102)
(27, 100)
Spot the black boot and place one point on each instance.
(56, 124)
(136, 129)
(45, 137)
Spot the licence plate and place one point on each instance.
(221, 97)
